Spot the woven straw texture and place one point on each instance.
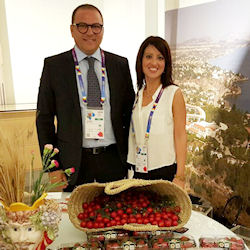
(87, 192)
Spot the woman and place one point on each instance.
(157, 139)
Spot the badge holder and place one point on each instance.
(141, 159)
(94, 124)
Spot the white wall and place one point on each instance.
(37, 29)
(175, 4)
(41, 28)
(6, 82)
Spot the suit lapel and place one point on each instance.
(71, 79)
(111, 77)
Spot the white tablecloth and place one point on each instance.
(198, 225)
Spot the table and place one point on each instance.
(199, 225)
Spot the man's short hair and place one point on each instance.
(85, 6)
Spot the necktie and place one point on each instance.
(94, 93)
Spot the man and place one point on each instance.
(91, 137)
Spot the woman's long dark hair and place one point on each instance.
(163, 47)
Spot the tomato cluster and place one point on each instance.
(139, 207)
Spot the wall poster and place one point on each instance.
(210, 46)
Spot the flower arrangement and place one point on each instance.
(13, 172)
(39, 187)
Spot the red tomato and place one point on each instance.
(132, 220)
(95, 225)
(129, 210)
(101, 225)
(158, 218)
(90, 209)
(174, 223)
(124, 216)
(123, 221)
(113, 214)
(161, 223)
(137, 216)
(120, 212)
(83, 224)
(113, 223)
(155, 222)
(92, 214)
(106, 220)
(80, 216)
(106, 210)
(117, 218)
(151, 219)
(119, 205)
(85, 205)
(168, 223)
(165, 216)
(99, 219)
(175, 217)
(89, 224)
(139, 221)
(97, 207)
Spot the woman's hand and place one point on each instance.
(179, 182)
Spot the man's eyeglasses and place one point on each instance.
(83, 27)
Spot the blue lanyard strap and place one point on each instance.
(79, 75)
(150, 114)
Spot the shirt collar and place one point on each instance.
(81, 55)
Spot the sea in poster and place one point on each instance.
(238, 62)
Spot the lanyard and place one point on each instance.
(79, 74)
(150, 114)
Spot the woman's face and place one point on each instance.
(153, 64)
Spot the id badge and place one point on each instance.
(141, 159)
(94, 124)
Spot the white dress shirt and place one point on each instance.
(109, 137)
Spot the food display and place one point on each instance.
(127, 243)
(225, 242)
(176, 242)
(108, 235)
(95, 245)
(149, 234)
(130, 242)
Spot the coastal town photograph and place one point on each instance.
(211, 64)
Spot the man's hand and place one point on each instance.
(58, 176)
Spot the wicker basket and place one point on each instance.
(87, 192)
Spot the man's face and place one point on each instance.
(88, 42)
(24, 236)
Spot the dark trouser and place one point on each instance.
(164, 173)
(101, 165)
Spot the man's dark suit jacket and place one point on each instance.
(58, 97)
